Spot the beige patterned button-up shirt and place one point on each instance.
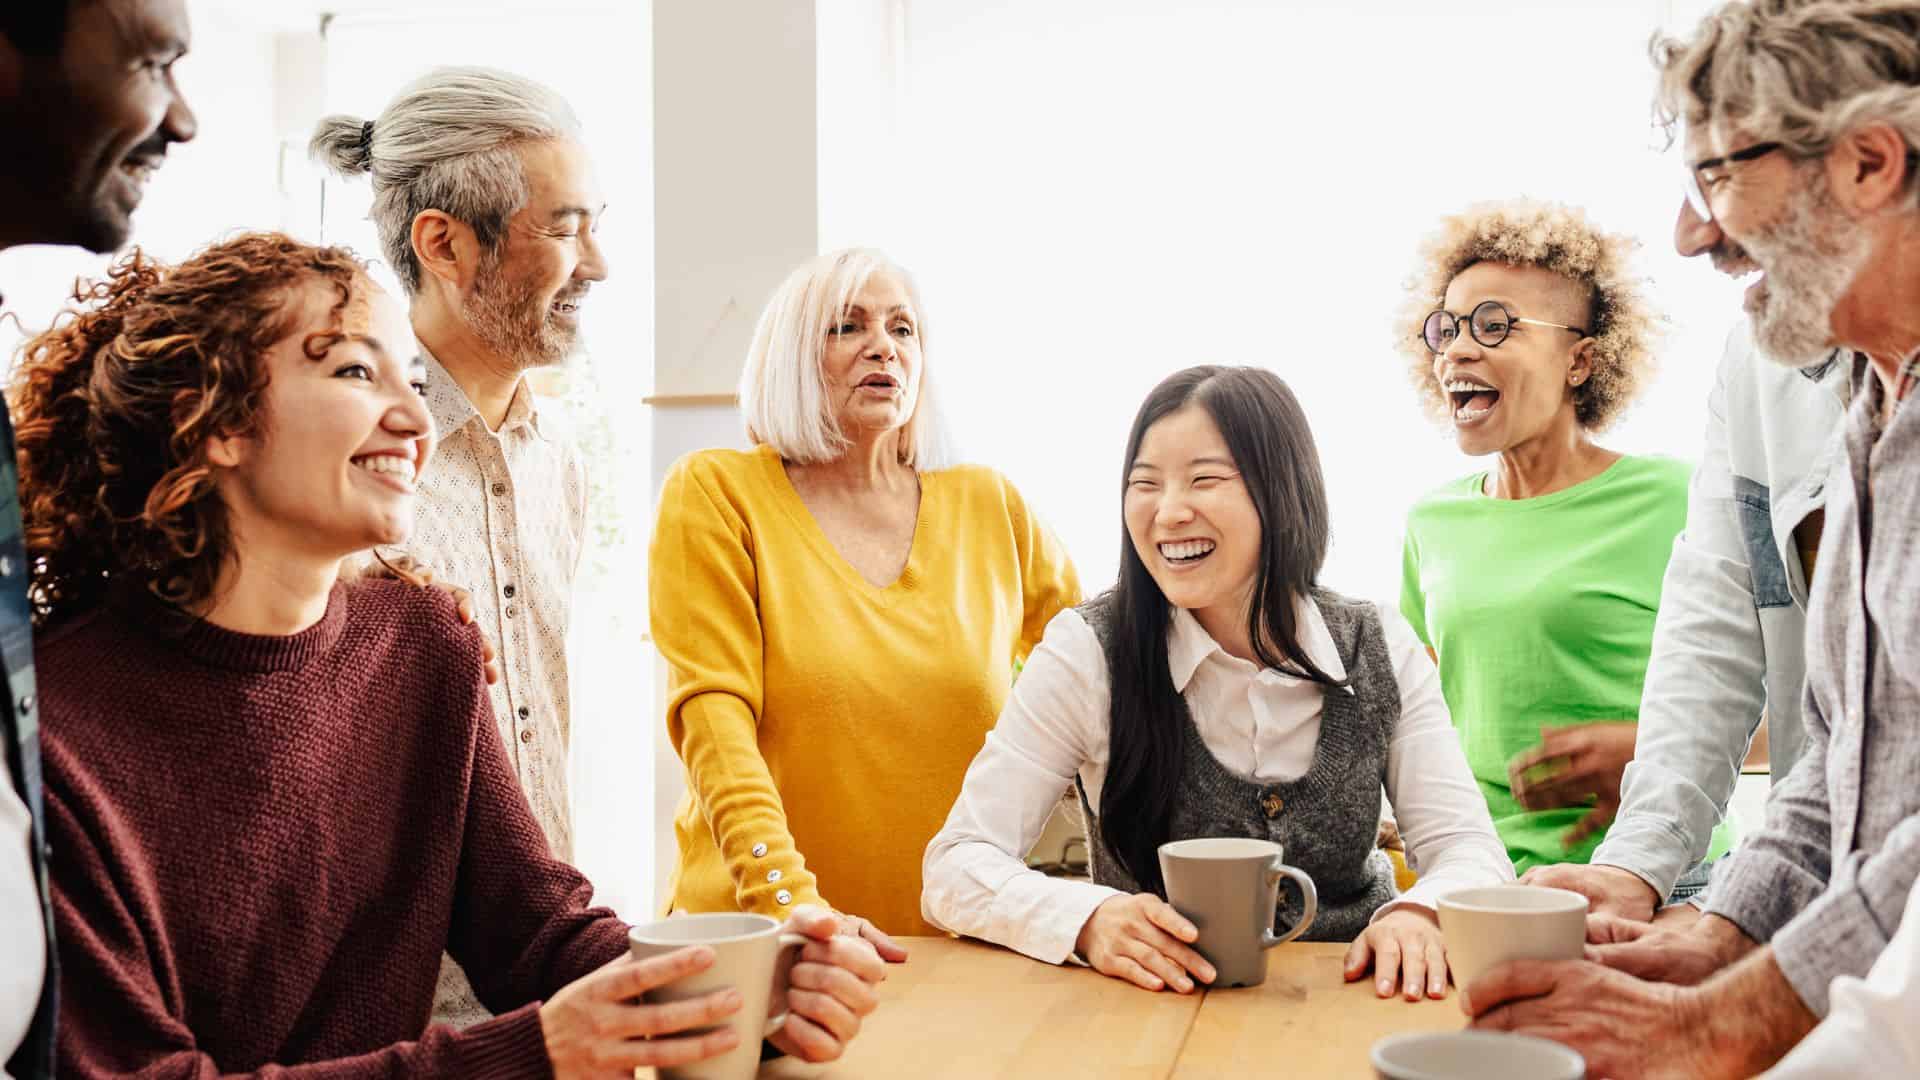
(503, 514)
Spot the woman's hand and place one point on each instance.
(1572, 764)
(1141, 939)
(890, 950)
(595, 1027)
(1406, 952)
(831, 989)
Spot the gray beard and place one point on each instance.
(503, 315)
(1812, 258)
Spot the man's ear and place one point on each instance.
(1869, 169)
(446, 248)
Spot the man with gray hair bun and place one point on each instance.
(1803, 130)
(486, 204)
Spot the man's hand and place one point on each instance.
(1609, 890)
(403, 567)
(831, 989)
(1623, 1027)
(1686, 955)
(1572, 764)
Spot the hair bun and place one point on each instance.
(343, 144)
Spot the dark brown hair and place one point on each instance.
(115, 406)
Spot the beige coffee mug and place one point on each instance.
(1489, 926)
(750, 955)
(1228, 888)
(1474, 1055)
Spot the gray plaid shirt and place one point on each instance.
(1827, 879)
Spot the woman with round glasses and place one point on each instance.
(1535, 581)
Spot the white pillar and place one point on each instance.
(735, 208)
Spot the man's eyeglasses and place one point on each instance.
(1489, 323)
(1702, 174)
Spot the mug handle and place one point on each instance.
(1275, 871)
(782, 969)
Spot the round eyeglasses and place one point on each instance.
(1489, 322)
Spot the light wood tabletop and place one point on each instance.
(967, 1009)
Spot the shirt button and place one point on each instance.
(526, 734)
(6, 566)
(508, 612)
(774, 875)
(507, 592)
(1272, 804)
(499, 488)
(26, 704)
(759, 851)
(525, 712)
(783, 897)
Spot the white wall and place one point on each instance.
(1108, 190)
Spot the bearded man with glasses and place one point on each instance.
(1831, 218)
(1536, 581)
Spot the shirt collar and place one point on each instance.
(1189, 645)
(452, 410)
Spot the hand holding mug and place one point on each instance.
(597, 1027)
(831, 988)
(1141, 939)
(1406, 951)
(1608, 889)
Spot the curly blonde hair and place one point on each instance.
(1553, 237)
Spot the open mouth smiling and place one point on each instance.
(1185, 552)
(1472, 399)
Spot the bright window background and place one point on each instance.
(1100, 192)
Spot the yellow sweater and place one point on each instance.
(825, 724)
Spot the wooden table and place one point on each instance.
(965, 1009)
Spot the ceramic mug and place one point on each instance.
(1489, 926)
(1229, 888)
(1473, 1055)
(751, 955)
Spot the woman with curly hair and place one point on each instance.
(1536, 581)
(276, 798)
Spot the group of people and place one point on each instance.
(288, 580)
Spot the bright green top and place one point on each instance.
(1541, 612)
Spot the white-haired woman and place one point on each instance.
(840, 612)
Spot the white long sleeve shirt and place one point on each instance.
(23, 941)
(1260, 723)
(1869, 1029)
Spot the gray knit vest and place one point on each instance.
(1326, 821)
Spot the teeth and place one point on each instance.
(388, 465)
(1462, 386)
(1465, 414)
(1186, 549)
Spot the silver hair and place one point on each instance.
(446, 142)
(783, 388)
(1803, 73)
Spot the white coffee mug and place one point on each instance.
(1489, 926)
(1474, 1055)
(750, 955)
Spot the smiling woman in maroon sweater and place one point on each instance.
(275, 800)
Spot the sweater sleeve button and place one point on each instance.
(759, 851)
(774, 875)
(783, 897)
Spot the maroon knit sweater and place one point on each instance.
(263, 844)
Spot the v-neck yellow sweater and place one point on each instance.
(824, 723)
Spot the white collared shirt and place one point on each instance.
(503, 514)
(1260, 723)
(23, 944)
